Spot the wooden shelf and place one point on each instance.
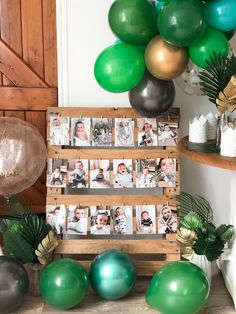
(212, 159)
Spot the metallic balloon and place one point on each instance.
(112, 274)
(179, 287)
(22, 154)
(152, 97)
(164, 60)
(64, 283)
(14, 284)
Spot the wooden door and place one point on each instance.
(28, 71)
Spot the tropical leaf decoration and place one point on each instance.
(217, 81)
(197, 204)
(46, 248)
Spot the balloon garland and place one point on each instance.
(171, 32)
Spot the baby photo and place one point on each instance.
(122, 173)
(100, 174)
(59, 130)
(146, 219)
(167, 219)
(102, 131)
(100, 220)
(80, 131)
(55, 216)
(145, 169)
(78, 173)
(147, 132)
(56, 172)
(77, 219)
(123, 218)
(124, 132)
(167, 133)
(166, 172)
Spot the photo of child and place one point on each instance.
(55, 216)
(146, 219)
(145, 169)
(167, 133)
(102, 131)
(166, 172)
(147, 132)
(100, 221)
(78, 173)
(124, 132)
(56, 172)
(80, 131)
(77, 220)
(100, 174)
(123, 173)
(122, 219)
(167, 219)
(59, 130)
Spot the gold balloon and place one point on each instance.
(164, 60)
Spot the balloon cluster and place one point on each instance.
(160, 39)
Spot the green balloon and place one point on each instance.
(179, 287)
(181, 22)
(133, 21)
(212, 41)
(119, 68)
(112, 274)
(64, 283)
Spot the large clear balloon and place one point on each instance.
(152, 97)
(189, 81)
(212, 41)
(119, 68)
(133, 21)
(164, 60)
(64, 283)
(181, 22)
(221, 14)
(112, 274)
(14, 284)
(179, 287)
(22, 155)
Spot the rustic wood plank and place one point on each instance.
(49, 38)
(32, 35)
(15, 98)
(16, 114)
(16, 70)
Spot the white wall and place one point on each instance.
(83, 32)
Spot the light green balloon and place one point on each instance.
(119, 68)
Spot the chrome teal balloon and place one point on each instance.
(119, 68)
(181, 22)
(112, 274)
(159, 5)
(133, 21)
(64, 283)
(212, 41)
(221, 14)
(179, 287)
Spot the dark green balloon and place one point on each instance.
(212, 41)
(64, 283)
(112, 274)
(181, 22)
(133, 21)
(178, 288)
(119, 68)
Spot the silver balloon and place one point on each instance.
(22, 155)
(188, 81)
(14, 284)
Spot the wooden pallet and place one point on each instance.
(148, 252)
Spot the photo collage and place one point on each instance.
(116, 173)
(98, 132)
(112, 220)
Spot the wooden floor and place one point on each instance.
(219, 301)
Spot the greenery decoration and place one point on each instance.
(196, 233)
